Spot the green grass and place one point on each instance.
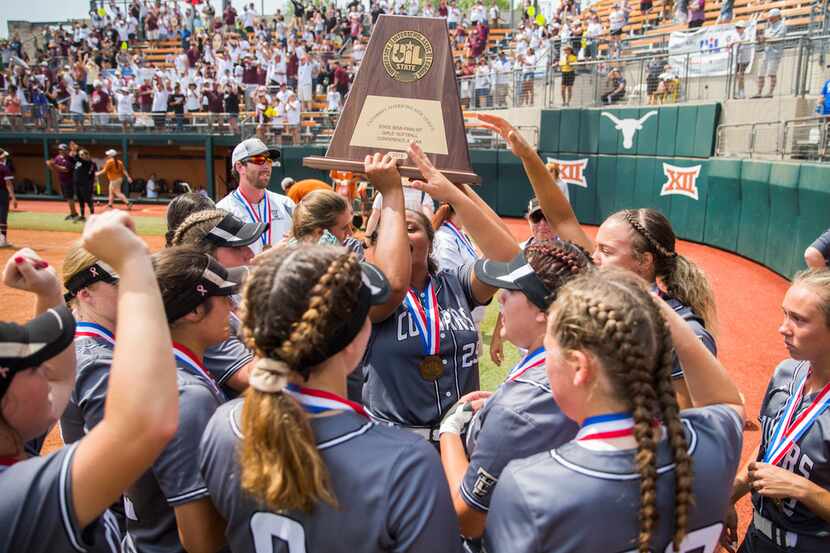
(146, 226)
(491, 374)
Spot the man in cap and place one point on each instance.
(775, 30)
(252, 201)
(62, 164)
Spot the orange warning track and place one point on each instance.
(748, 299)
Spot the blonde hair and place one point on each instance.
(193, 230)
(610, 314)
(293, 301)
(77, 260)
(818, 281)
(319, 209)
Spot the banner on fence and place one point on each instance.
(707, 52)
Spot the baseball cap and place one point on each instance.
(233, 232)
(29, 345)
(111, 152)
(97, 272)
(287, 183)
(215, 280)
(740, 24)
(517, 274)
(63, 147)
(533, 206)
(253, 147)
(774, 12)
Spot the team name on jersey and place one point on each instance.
(794, 460)
(451, 319)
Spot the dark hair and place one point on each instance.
(555, 262)
(178, 269)
(317, 210)
(612, 315)
(424, 222)
(292, 302)
(683, 279)
(180, 208)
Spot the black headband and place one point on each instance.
(214, 281)
(97, 272)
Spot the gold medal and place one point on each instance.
(431, 368)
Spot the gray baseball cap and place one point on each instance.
(253, 147)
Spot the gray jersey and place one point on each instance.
(36, 506)
(174, 478)
(809, 456)
(389, 484)
(393, 388)
(564, 500)
(696, 324)
(85, 409)
(225, 359)
(520, 419)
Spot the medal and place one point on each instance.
(92, 330)
(426, 315)
(431, 368)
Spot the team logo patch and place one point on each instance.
(407, 56)
(484, 483)
(628, 126)
(681, 180)
(571, 171)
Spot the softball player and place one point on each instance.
(227, 238)
(789, 473)
(50, 504)
(519, 419)
(170, 502)
(422, 353)
(180, 208)
(608, 361)
(296, 463)
(252, 201)
(640, 240)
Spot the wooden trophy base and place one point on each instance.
(329, 164)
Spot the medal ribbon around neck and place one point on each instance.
(93, 330)
(185, 357)
(260, 215)
(319, 401)
(536, 358)
(461, 238)
(787, 431)
(427, 317)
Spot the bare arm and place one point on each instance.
(392, 254)
(814, 259)
(554, 204)
(201, 527)
(141, 413)
(454, 460)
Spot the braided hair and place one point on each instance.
(291, 302)
(557, 261)
(180, 208)
(683, 279)
(611, 315)
(193, 230)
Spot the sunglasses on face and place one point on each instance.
(536, 217)
(258, 160)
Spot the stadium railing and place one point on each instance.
(803, 138)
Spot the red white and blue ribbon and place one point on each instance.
(610, 432)
(536, 358)
(461, 238)
(192, 365)
(93, 330)
(319, 401)
(789, 427)
(262, 214)
(427, 317)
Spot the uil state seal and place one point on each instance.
(407, 56)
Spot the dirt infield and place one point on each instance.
(748, 299)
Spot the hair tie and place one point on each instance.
(269, 375)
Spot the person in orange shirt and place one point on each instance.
(299, 189)
(345, 184)
(116, 172)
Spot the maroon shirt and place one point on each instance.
(249, 75)
(152, 22)
(215, 101)
(64, 162)
(100, 101)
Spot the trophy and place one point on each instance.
(404, 91)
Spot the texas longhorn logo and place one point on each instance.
(681, 180)
(628, 126)
(571, 171)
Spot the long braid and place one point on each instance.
(193, 229)
(613, 316)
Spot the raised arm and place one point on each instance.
(392, 254)
(141, 413)
(554, 204)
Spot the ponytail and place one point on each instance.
(281, 465)
(687, 282)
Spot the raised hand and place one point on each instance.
(435, 183)
(26, 271)
(382, 172)
(111, 238)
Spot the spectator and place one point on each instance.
(482, 83)
(775, 31)
(63, 164)
(743, 50)
(528, 64)
(566, 66)
(160, 98)
(175, 103)
(304, 78)
(292, 117)
(697, 13)
(125, 99)
(332, 99)
(615, 86)
(495, 14)
(78, 105)
(233, 94)
(83, 177)
(654, 69)
(151, 187)
(593, 32)
(669, 86)
(503, 74)
(616, 23)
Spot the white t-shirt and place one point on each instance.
(292, 112)
(152, 189)
(414, 199)
(160, 100)
(125, 103)
(76, 101)
(333, 98)
(282, 210)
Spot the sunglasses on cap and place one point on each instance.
(259, 160)
(536, 217)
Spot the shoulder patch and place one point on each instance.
(484, 483)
